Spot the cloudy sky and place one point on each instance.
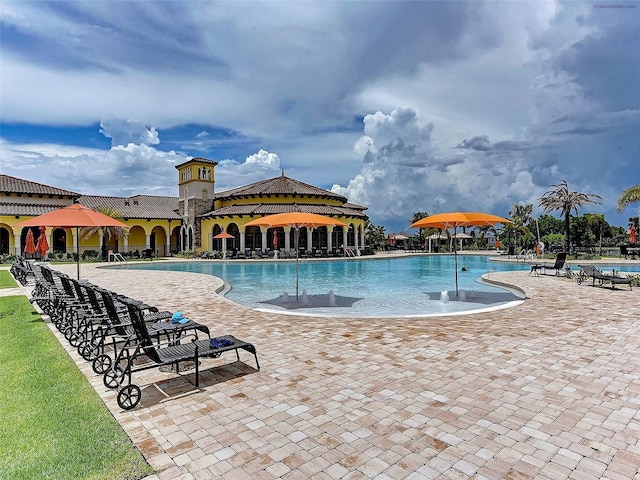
(401, 106)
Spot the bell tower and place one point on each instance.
(196, 179)
(196, 182)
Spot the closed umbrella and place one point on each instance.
(454, 220)
(75, 215)
(29, 245)
(632, 234)
(43, 244)
(295, 220)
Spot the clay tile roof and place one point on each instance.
(9, 184)
(281, 185)
(27, 209)
(272, 208)
(138, 206)
(197, 159)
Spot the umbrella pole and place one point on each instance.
(455, 255)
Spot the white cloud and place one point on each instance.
(129, 131)
(512, 96)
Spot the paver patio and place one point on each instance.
(548, 389)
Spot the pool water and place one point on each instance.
(376, 287)
(363, 287)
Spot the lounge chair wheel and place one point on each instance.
(88, 350)
(101, 364)
(129, 397)
(81, 347)
(113, 377)
(67, 331)
(74, 339)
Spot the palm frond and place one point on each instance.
(628, 196)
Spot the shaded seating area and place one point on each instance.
(561, 259)
(596, 275)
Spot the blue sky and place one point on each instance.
(401, 106)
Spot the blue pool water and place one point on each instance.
(361, 287)
(375, 287)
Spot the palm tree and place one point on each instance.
(374, 234)
(629, 195)
(523, 212)
(560, 198)
(107, 232)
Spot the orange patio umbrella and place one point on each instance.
(224, 235)
(454, 220)
(29, 244)
(75, 215)
(295, 220)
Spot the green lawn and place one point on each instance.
(53, 425)
(6, 280)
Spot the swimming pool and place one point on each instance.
(375, 287)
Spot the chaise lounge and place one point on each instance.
(143, 353)
(561, 259)
(591, 271)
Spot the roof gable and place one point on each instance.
(281, 185)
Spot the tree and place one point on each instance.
(107, 232)
(422, 232)
(628, 196)
(559, 197)
(374, 234)
(524, 212)
(597, 222)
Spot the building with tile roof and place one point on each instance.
(189, 222)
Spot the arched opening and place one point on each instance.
(4, 241)
(59, 241)
(253, 238)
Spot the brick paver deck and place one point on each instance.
(548, 389)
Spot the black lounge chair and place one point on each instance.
(591, 271)
(143, 353)
(561, 259)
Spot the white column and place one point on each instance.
(263, 231)
(309, 239)
(355, 237)
(329, 238)
(287, 239)
(242, 240)
(74, 239)
(17, 249)
(148, 241)
(125, 244)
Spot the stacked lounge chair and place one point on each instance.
(121, 335)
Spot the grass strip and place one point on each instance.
(6, 280)
(54, 425)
